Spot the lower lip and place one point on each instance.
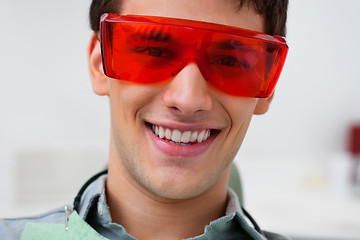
(174, 150)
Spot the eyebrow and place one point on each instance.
(154, 35)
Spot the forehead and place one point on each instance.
(217, 11)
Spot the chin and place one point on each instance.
(174, 188)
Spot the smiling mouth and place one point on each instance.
(182, 138)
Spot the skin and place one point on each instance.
(147, 189)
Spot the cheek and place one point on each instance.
(243, 110)
(240, 111)
(126, 99)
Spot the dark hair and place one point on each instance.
(274, 13)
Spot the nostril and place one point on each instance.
(175, 109)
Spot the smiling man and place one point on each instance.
(184, 79)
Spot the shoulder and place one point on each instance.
(12, 228)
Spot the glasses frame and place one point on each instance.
(277, 42)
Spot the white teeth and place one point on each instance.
(208, 134)
(193, 137)
(168, 133)
(157, 130)
(176, 136)
(179, 137)
(161, 132)
(201, 135)
(185, 138)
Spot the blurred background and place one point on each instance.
(296, 161)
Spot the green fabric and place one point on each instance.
(235, 183)
(78, 229)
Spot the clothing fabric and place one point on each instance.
(75, 229)
(95, 212)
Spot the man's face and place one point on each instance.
(185, 110)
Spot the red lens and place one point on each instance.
(148, 50)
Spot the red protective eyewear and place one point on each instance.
(236, 61)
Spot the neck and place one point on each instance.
(144, 215)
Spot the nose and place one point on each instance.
(188, 92)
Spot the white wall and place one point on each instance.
(48, 108)
(46, 101)
(318, 93)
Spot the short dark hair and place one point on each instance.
(274, 13)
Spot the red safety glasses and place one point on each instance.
(147, 50)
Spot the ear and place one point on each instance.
(263, 104)
(99, 80)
